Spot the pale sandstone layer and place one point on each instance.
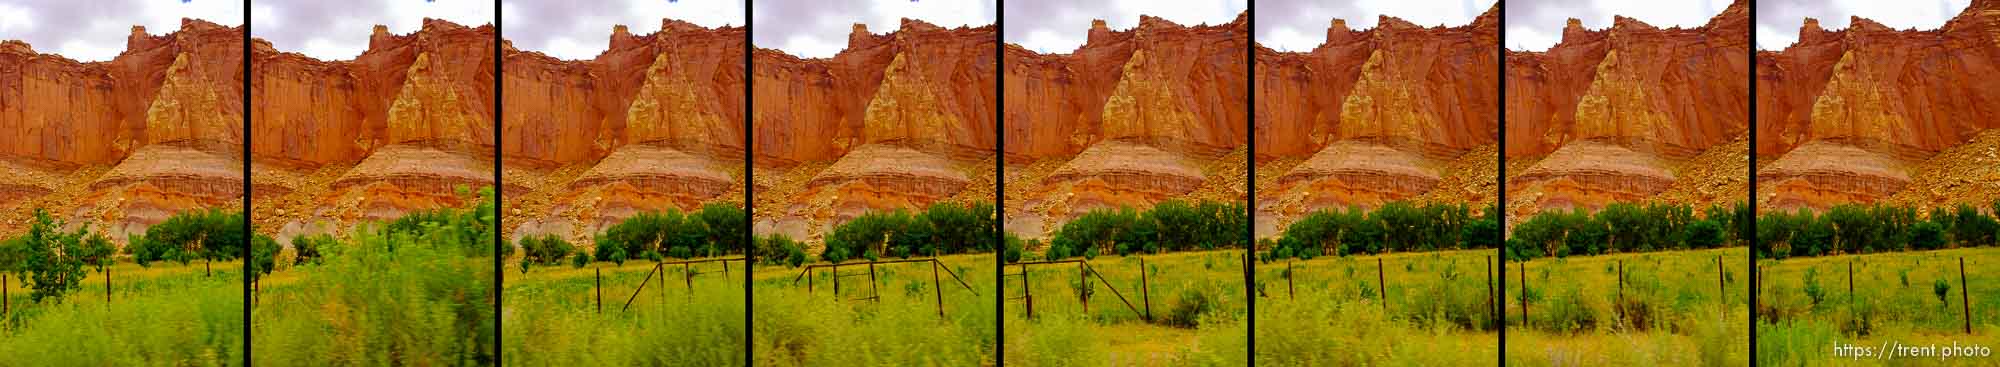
(123, 144)
(895, 121)
(1853, 115)
(1632, 113)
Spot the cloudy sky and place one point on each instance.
(1778, 21)
(95, 30)
(1536, 25)
(819, 28)
(339, 30)
(1060, 26)
(578, 30)
(1300, 25)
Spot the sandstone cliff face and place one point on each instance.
(894, 121)
(1621, 114)
(397, 129)
(653, 123)
(1131, 118)
(125, 143)
(1852, 115)
(1377, 115)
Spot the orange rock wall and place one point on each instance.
(881, 88)
(1163, 82)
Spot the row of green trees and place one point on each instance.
(1853, 228)
(943, 228)
(1395, 226)
(1627, 227)
(50, 261)
(715, 229)
(1171, 225)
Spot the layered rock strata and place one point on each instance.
(1622, 114)
(1129, 119)
(1853, 115)
(123, 144)
(895, 121)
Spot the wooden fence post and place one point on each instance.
(687, 275)
(809, 280)
(1524, 292)
(836, 282)
(1384, 283)
(107, 286)
(1291, 292)
(1621, 290)
(1145, 294)
(937, 287)
(1963, 300)
(1027, 291)
(600, 289)
(1492, 303)
(876, 294)
(1082, 282)
(1721, 287)
(1850, 281)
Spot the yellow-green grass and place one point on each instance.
(1678, 309)
(1063, 333)
(797, 328)
(551, 316)
(377, 300)
(1793, 329)
(165, 314)
(1332, 312)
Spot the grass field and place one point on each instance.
(551, 315)
(167, 314)
(1807, 307)
(1196, 298)
(377, 299)
(796, 328)
(1675, 309)
(1332, 314)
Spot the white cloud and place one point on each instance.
(818, 29)
(1543, 20)
(328, 30)
(96, 30)
(1059, 26)
(1301, 25)
(1778, 21)
(578, 30)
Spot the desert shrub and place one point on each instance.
(1188, 310)
(547, 249)
(308, 248)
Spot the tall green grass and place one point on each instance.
(1676, 308)
(797, 328)
(164, 315)
(551, 317)
(1197, 300)
(381, 298)
(1332, 312)
(1806, 305)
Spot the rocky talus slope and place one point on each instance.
(1629, 114)
(895, 121)
(123, 144)
(1396, 112)
(1871, 114)
(1129, 119)
(400, 128)
(655, 122)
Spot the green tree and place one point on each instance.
(49, 262)
(1927, 235)
(1705, 234)
(263, 256)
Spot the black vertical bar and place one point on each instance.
(247, 177)
(499, 201)
(1500, 212)
(1752, 200)
(1963, 300)
(1250, 182)
(1000, 184)
(749, 196)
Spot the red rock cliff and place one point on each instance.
(1377, 115)
(1630, 113)
(125, 143)
(652, 123)
(1130, 118)
(397, 129)
(1852, 115)
(897, 120)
